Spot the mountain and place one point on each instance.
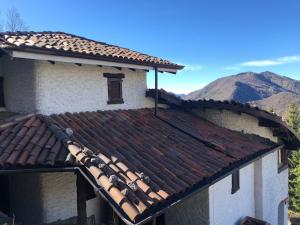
(278, 102)
(245, 87)
(266, 90)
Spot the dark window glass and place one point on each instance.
(235, 181)
(282, 159)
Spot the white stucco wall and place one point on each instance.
(262, 189)
(275, 188)
(95, 207)
(39, 86)
(58, 191)
(270, 187)
(66, 87)
(192, 211)
(19, 84)
(227, 208)
(239, 122)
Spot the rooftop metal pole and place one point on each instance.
(156, 91)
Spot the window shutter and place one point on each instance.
(114, 82)
(2, 104)
(115, 90)
(235, 181)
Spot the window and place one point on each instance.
(2, 104)
(114, 87)
(282, 159)
(235, 181)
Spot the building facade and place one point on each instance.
(94, 150)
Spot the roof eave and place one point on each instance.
(173, 68)
(292, 139)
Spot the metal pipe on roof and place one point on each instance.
(156, 90)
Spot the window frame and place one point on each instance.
(235, 181)
(282, 159)
(114, 77)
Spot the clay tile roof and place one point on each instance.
(72, 45)
(280, 129)
(139, 159)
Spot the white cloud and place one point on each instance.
(192, 67)
(272, 62)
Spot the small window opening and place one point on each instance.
(282, 159)
(235, 181)
(114, 87)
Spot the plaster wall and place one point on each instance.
(234, 121)
(274, 189)
(59, 197)
(95, 207)
(227, 208)
(66, 87)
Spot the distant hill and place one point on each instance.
(278, 102)
(266, 90)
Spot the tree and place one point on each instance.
(292, 118)
(14, 22)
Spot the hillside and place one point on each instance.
(245, 87)
(265, 90)
(278, 102)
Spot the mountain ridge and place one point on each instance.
(260, 89)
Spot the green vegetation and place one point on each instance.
(292, 118)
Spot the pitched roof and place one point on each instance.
(290, 137)
(140, 160)
(65, 44)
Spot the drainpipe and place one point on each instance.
(156, 91)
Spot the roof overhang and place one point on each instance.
(56, 56)
(279, 128)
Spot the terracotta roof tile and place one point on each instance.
(69, 44)
(142, 160)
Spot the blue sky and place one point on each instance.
(213, 38)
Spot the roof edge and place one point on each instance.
(266, 119)
(52, 51)
(164, 206)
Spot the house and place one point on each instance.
(82, 141)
